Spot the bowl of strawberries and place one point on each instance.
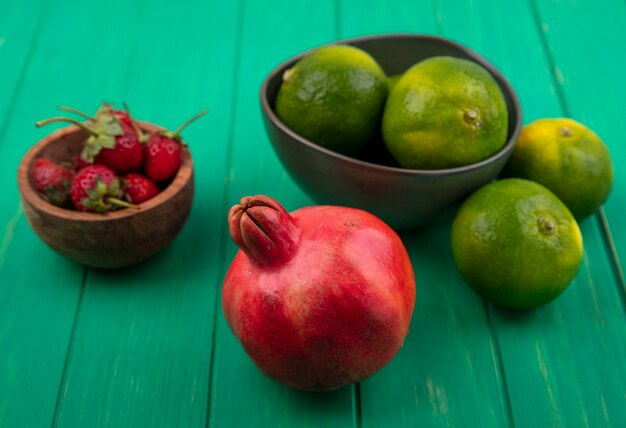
(107, 191)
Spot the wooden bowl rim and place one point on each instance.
(31, 196)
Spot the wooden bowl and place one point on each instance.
(113, 239)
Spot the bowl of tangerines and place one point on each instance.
(107, 191)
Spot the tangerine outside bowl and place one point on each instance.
(404, 198)
(109, 240)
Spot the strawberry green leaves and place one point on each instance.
(106, 127)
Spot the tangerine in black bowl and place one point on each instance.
(404, 198)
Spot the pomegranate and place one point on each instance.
(319, 298)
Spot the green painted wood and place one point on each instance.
(447, 371)
(361, 18)
(486, 28)
(142, 347)
(588, 68)
(241, 395)
(40, 290)
(563, 363)
(19, 31)
(139, 342)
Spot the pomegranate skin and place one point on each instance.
(333, 308)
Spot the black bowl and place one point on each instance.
(404, 198)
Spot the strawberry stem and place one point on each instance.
(176, 134)
(120, 203)
(66, 119)
(142, 137)
(78, 112)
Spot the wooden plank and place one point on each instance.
(446, 374)
(256, 170)
(367, 17)
(563, 362)
(486, 28)
(588, 68)
(19, 31)
(142, 347)
(447, 371)
(40, 290)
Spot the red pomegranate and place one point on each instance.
(319, 298)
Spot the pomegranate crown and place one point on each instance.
(264, 230)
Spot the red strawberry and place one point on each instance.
(96, 188)
(127, 155)
(113, 138)
(138, 188)
(79, 163)
(52, 181)
(162, 152)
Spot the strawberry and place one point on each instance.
(52, 181)
(138, 188)
(113, 138)
(162, 152)
(127, 153)
(79, 163)
(96, 188)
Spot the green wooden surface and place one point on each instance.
(254, 169)
(166, 320)
(148, 345)
(448, 366)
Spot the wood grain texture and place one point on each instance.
(19, 34)
(547, 353)
(148, 345)
(39, 290)
(446, 373)
(104, 240)
(241, 395)
(565, 361)
(586, 49)
(142, 347)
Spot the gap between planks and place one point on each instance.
(355, 391)
(493, 334)
(605, 232)
(609, 245)
(17, 89)
(499, 362)
(223, 205)
(83, 285)
(68, 353)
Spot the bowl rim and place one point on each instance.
(504, 150)
(31, 196)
